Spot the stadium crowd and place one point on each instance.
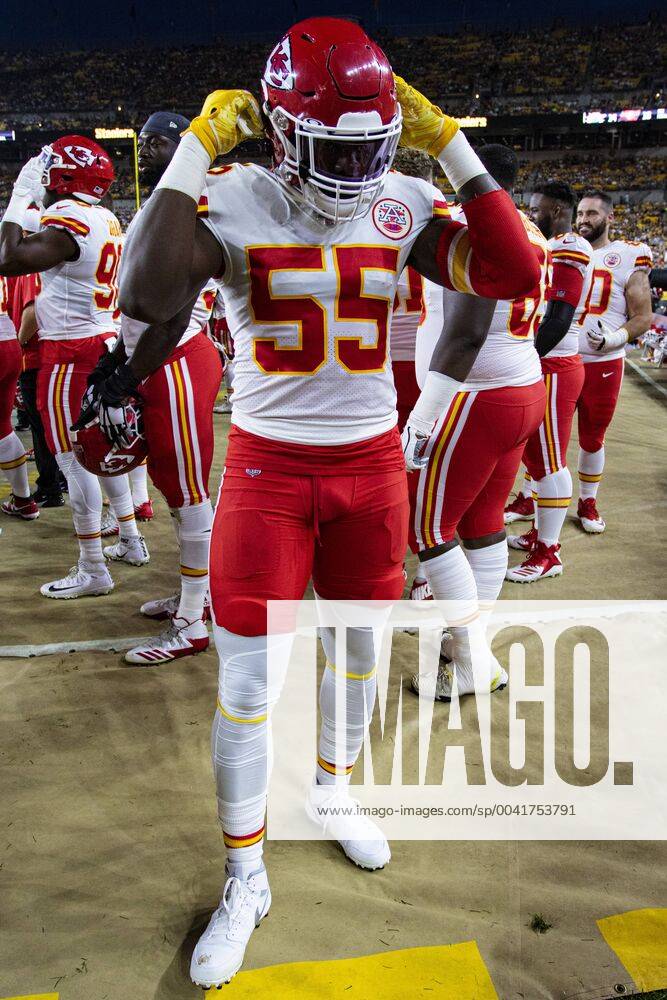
(499, 72)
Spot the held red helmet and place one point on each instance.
(76, 165)
(334, 117)
(94, 451)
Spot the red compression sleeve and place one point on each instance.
(566, 284)
(503, 264)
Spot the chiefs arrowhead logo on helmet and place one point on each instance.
(76, 165)
(94, 451)
(278, 71)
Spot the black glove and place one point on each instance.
(105, 367)
(105, 400)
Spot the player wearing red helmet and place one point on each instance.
(309, 255)
(176, 373)
(77, 250)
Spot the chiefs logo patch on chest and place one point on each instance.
(392, 218)
(612, 259)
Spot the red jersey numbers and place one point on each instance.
(525, 314)
(308, 314)
(599, 294)
(4, 295)
(106, 275)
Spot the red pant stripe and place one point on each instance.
(439, 455)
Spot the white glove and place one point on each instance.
(29, 181)
(27, 188)
(413, 443)
(605, 340)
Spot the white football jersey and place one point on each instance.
(7, 328)
(310, 304)
(408, 307)
(572, 250)
(79, 297)
(132, 329)
(613, 265)
(508, 356)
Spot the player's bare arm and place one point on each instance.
(638, 301)
(28, 327)
(466, 326)
(21, 254)
(161, 274)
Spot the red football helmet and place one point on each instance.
(335, 121)
(76, 165)
(94, 451)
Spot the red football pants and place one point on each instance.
(273, 530)
(10, 368)
(178, 421)
(597, 402)
(546, 450)
(61, 382)
(407, 394)
(473, 457)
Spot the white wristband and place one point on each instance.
(438, 392)
(460, 161)
(16, 209)
(187, 170)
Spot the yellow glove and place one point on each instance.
(425, 126)
(227, 118)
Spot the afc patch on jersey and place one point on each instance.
(392, 218)
(612, 259)
(278, 72)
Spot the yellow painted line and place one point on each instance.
(35, 996)
(455, 970)
(639, 939)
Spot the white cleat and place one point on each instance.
(79, 583)
(109, 524)
(132, 551)
(166, 607)
(589, 517)
(337, 814)
(180, 638)
(440, 686)
(218, 954)
(224, 407)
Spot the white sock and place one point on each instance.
(194, 536)
(489, 566)
(241, 738)
(527, 486)
(591, 464)
(117, 488)
(451, 578)
(360, 681)
(85, 497)
(13, 462)
(554, 493)
(139, 484)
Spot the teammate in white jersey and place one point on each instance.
(473, 453)
(77, 251)
(176, 374)
(545, 457)
(13, 458)
(617, 311)
(309, 257)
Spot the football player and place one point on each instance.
(617, 311)
(13, 458)
(309, 256)
(177, 378)
(77, 251)
(551, 209)
(470, 461)
(409, 308)
(25, 290)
